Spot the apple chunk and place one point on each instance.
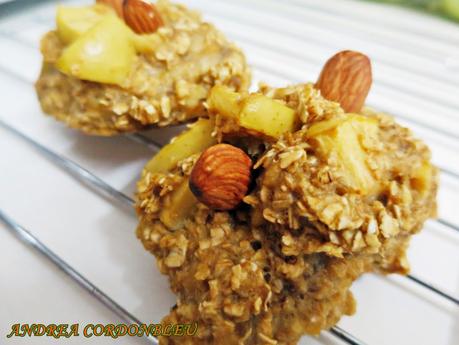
(196, 139)
(224, 101)
(72, 22)
(422, 178)
(266, 115)
(178, 207)
(256, 112)
(105, 53)
(343, 137)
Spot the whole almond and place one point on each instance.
(221, 176)
(117, 5)
(142, 16)
(346, 78)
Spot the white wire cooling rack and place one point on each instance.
(416, 69)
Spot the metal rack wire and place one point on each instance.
(100, 186)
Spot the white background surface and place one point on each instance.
(416, 69)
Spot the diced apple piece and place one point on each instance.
(324, 126)
(181, 204)
(343, 138)
(72, 22)
(422, 178)
(105, 53)
(266, 115)
(225, 101)
(196, 139)
(256, 112)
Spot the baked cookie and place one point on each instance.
(264, 214)
(109, 70)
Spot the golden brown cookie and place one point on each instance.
(332, 195)
(102, 77)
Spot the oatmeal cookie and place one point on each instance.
(333, 195)
(168, 78)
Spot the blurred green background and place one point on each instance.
(446, 8)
